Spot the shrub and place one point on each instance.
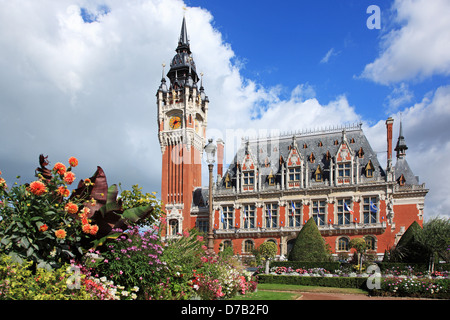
(341, 282)
(39, 222)
(309, 245)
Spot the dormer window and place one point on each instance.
(249, 178)
(271, 179)
(305, 146)
(318, 174)
(369, 169)
(344, 170)
(401, 180)
(312, 158)
(320, 144)
(227, 181)
(361, 153)
(294, 174)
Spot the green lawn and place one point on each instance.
(274, 291)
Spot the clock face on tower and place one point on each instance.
(175, 122)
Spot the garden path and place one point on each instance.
(341, 296)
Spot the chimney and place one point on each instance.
(220, 150)
(389, 125)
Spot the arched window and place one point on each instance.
(248, 246)
(370, 242)
(227, 243)
(343, 244)
(173, 227)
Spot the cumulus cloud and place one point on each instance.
(419, 48)
(79, 78)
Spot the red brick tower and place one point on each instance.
(182, 120)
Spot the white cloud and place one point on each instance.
(419, 48)
(400, 95)
(71, 88)
(426, 131)
(328, 55)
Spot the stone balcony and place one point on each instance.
(329, 229)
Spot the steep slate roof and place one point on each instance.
(269, 150)
(402, 168)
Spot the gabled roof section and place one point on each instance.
(322, 144)
(294, 157)
(345, 152)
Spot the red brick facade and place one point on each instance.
(274, 185)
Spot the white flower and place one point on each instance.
(125, 293)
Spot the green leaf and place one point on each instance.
(30, 251)
(135, 214)
(5, 241)
(112, 194)
(24, 242)
(113, 206)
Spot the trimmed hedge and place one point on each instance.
(339, 282)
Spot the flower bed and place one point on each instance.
(88, 244)
(393, 282)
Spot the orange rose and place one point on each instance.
(73, 161)
(69, 177)
(59, 168)
(37, 188)
(60, 234)
(43, 228)
(71, 208)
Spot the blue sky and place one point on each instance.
(79, 78)
(284, 44)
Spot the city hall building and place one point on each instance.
(274, 185)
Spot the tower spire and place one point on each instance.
(401, 146)
(182, 63)
(183, 41)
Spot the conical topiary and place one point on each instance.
(408, 249)
(309, 245)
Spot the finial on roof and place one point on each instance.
(401, 146)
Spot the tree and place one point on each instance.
(360, 245)
(268, 251)
(408, 248)
(309, 245)
(435, 237)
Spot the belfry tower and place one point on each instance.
(182, 120)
